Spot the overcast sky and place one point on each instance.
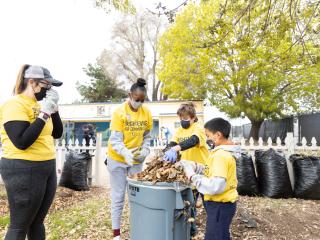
(62, 35)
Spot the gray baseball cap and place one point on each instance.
(38, 72)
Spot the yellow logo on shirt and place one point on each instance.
(135, 126)
(36, 111)
(206, 170)
(181, 139)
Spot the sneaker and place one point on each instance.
(117, 238)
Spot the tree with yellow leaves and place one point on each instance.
(260, 58)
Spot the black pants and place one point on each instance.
(31, 187)
(219, 218)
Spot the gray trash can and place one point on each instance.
(160, 211)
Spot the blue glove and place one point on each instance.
(170, 156)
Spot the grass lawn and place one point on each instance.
(74, 215)
(86, 216)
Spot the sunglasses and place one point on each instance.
(45, 85)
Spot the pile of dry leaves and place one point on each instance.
(162, 171)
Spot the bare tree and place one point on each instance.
(133, 52)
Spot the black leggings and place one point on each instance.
(31, 187)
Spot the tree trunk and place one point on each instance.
(155, 92)
(254, 132)
(163, 97)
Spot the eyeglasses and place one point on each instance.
(46, 85)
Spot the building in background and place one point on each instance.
(77, 116)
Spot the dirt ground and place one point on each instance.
(86, 215)
(273, 219)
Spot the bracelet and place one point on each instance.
(42, 119)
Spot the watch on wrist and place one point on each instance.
(44, 116)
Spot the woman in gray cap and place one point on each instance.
(28, 129)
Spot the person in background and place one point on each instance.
(88, 134)
(28, 167)
(218, 180)
(128, 147)
(165, 134)
(190, 141)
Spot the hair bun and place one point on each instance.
(141, 82)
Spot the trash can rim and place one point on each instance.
(177, 186)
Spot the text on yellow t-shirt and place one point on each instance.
(198, 153)
(132, 125)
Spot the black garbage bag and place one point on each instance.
(273, 176)
(306, 176)
(246, 175)
(75, 171)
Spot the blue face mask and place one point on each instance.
(185, 124)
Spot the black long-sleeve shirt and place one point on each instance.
(23, 133)
(186, 144)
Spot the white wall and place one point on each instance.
(103, 111)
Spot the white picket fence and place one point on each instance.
(98, 175)
(290, 147)
(61, 150)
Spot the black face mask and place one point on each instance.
(41, 95)
(185, 124)
(210, 143)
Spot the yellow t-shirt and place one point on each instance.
(23, 108)
(198, 153)
(221, 163)
(132, 125)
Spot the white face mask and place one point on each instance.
(135, 104)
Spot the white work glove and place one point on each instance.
(47, 106)
(53, 95)
(189, 168)
(199, 168)
(128, 156)
(141, 155)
